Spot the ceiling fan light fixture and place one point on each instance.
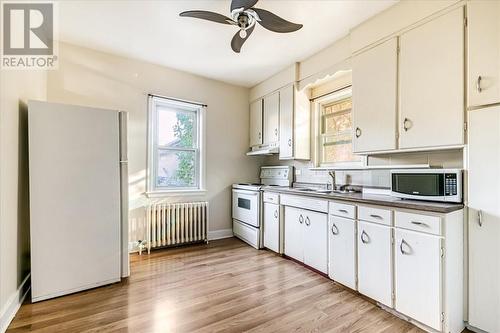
(243, 33)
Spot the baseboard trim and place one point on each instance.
(13, 304)
(220, 234)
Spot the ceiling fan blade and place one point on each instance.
(237, 41)
(245, 4)
(210, 16)
(275, 23)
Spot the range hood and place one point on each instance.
(267, 149)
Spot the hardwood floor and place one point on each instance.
(225, 286)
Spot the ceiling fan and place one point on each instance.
(244, 15)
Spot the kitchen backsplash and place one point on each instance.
(379, 178)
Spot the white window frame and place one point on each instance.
(319, 103)
(152, 159)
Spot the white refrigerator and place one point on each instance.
(78, 198)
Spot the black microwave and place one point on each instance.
(427, 184)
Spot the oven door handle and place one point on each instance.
(254, 193)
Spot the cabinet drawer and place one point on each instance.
(305, 203)
(342, 210)
(418, 222)
(272, 197)
(376, 215)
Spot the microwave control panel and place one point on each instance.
(450, 184)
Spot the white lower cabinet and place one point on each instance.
(342, 251)
(418, 272)
(294, 243)
(272, 226)
(306, 238)
(375, 261)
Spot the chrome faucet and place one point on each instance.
(332, 174)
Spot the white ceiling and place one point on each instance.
(153, 31)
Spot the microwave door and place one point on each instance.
(426, 186)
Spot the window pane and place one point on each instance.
(176, 128)
(338, 149)
(336, 123)
(176, 169)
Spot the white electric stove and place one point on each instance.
(247, 203)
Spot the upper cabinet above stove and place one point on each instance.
(483, 20)
(281, 119)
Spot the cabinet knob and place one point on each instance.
(336, 231)
(480, 218)
(301, 219)
(358, 132)
(363, 235)
(407, 124)
(478, 84)
(276, 214)
(289, 142)
(275, 131)
(260, 135)
(308, 221)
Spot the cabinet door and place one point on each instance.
(316, 241)
(483, 18)
(374, 262)
(374, 76)
(432, 83)
(271, 117)
(256, 123)
(294, 229)
(271, 226)
(417, 285)
(342, 251)
(286, 122)
(484, 219)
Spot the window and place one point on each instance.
(175, 146)
(335, 129)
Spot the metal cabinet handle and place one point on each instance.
(363, 233)
(337, 229)
(403, 242)
(343, 211)
(275, 131)
(376, 216)
(358, 132)
(308, 221)
(406, 121)
(276, 214)
(478, 84)
(289, 142)
(301, 219)
(260, 135)
(419, 223)
(480, 217)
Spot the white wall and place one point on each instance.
(92, 78)
(16, 88)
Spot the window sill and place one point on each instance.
(177, 193)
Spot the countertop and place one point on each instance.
(384, 200)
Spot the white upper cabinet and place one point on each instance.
(417, 263)
(286, 121)
(271, 118)
(483, 18)
(484, 219)
(432, 83)
(374, 98)
(256, 123)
